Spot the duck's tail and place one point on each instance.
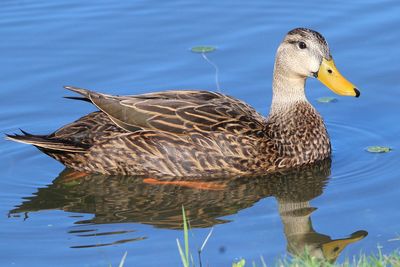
(46, 142)
(84, 92)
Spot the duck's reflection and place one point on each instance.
(113, 199)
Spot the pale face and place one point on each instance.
(302, 52)
(305, 53)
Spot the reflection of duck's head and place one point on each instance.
(332, 249)
(295, 211)
(301, 236)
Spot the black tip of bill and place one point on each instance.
(357, 92)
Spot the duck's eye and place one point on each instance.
(302, 45)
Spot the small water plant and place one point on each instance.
(327, 99)
(203, 50)
(378, 149)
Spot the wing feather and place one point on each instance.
(178, 112)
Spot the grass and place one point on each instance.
(184, 254)
(306, 260)
(122, 262)
(373, 260)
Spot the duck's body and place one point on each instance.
(193, 133)
(186, 133)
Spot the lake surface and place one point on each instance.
(131, 47)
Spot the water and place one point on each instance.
(142, 46)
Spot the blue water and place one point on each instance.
(131, 47)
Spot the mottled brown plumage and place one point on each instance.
(186, 133)
(198, 133)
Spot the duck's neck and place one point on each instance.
(287, 89)
(296, 127)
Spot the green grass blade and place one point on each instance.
(206, 240)
(192, 260)
(121, 264)
(185, 234)
(183, 258)
(263, 261)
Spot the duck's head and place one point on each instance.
(305, 53)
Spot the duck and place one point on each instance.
(198, 133)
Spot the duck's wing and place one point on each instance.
(178, 112)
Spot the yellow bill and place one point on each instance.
(332, 249)
(331, 78)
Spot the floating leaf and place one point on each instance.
(327, 99)
(203, 49)
(378, 149)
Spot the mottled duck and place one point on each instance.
(190, 133)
